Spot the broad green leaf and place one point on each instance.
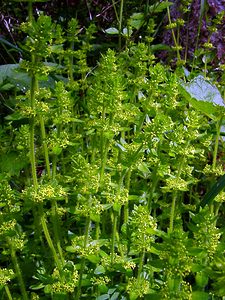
(71, 249)
(214, 191)
(197, 268)
(4, 41)
(103, 297)
(127, 32)
(160, 47)
(136, 20)
(11, 163)
(93, 258)
(37, 286)
(21, 79)
(159, 7)
(112, 30)
(7, 71)
(157, 263)
(203, 95)
(99, 270)
(7, 87)
(14, 116)
(115, 296)
(197, 295)
(144, 169)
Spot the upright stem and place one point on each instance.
(17, 270)
(8, 293)
(55, 223)
(34, 85)
(173, 34)
(172, 212)
(43, 134)
(120, 23)
(218, 127)
(127, 186)
(115, 218)
(86, 236)
(7, 290)
(174, 197)
(141, 262)
(30, 10)
(34, 88)
(119, 19)
(50, 243)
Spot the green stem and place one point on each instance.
(86, 236)
(218, 128)
(55, 223)
(174, 197)
(155, 180)
(140, 266)
(115, 218)
(120, 23)
(119, 19)
(50, 243)
(8, 293)
(115, 10)
(127, 186)
(172, 212)
(45, 147)
(198, 33)
(34, 86)
(17, 270)
(71, 64)
(173, 34)
(30, 10)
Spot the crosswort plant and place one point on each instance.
(104, 169)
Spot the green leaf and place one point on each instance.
(197, 268)
(6, 71)
(157, 263)
(197, 295)
(93, 258)
(37, 286)
(215, 190)
(136, 20)
(71, 249)
(144, 169)
(160, 47)
(4, 41)
(203, 96)
(12, 163)
(103, 297)
(15, 116)
(127, 32)
(99, 270)
(112, 30)
(159, 7)
(7, 87)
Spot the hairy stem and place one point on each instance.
(8, 293)
(17, 270)
(218, 128)
(86, 236)
(45, 147)
(50, 243)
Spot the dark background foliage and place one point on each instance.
(103, 15)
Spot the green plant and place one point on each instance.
(103, 171)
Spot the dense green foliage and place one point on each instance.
(110, 171)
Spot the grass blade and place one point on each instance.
(215, 190)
